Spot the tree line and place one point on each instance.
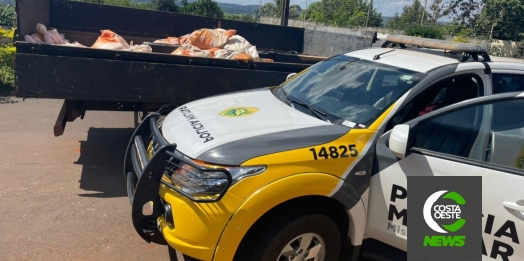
(496, 19)
(207, 8)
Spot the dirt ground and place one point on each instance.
(64, 198)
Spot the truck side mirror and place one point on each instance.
(398, 140)
(290, 75)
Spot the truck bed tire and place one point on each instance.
(284, 230)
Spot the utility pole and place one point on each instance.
(285, 13)
(259, 15)
(304, 20)
(424, 12)
(369, 9)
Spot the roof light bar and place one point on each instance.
(436, 44)
(467, 49)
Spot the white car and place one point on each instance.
(294, 172)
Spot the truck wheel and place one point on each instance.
(309, 236)
(174, 256)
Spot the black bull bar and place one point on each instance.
(144, 175)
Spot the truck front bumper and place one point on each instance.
(143, 177)
(160, 213)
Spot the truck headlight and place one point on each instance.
(205, 184)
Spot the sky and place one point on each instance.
(386, 7)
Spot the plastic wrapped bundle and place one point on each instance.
(210, 38)
(144, 48)
(110, 40)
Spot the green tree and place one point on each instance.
(7, 60)
(344, 13)
(497, 19)
(205, 8)
(505, 17)
(233, 17)
(427, 31)
(146, 5)
(275, 10)
(165, 5)
(313, 12)
(439, 9)
(124, 3)
(7, 15)
(244, 17)
(372, 16)
(465, 12)
(411, 15)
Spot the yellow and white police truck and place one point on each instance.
(318, 165)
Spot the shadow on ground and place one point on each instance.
(7, 100)
(102, 158)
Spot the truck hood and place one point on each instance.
(231, 128)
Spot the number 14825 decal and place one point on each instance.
(335, 152)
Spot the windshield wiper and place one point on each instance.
(286, 97)
(320, 114)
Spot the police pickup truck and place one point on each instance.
(304, 170)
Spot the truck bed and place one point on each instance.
(63, 72)
(95, 79)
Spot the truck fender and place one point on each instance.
(357, 224)
(268, 197)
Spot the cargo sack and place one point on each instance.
(49, 36)
(222, 53)
(213, 51)
(35, 38)
(184, 47)
(173, 40)
(110, 40)
(210, 38)
(182, 39)
(190, 50)
(161, 41)
(75, 44)
(143, 48)
(243, 57)
(199, 53)
(236, 43)
(233, 55)
(252, 51)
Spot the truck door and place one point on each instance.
(485, 137)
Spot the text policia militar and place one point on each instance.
(499, 249)
(197, 126)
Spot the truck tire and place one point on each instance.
(174, 256)
(304, 236)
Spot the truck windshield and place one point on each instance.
(348, 90)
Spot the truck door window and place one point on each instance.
(506, 145)
(443, 93)
(497, 138)
(453, 133)
(505, 82)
